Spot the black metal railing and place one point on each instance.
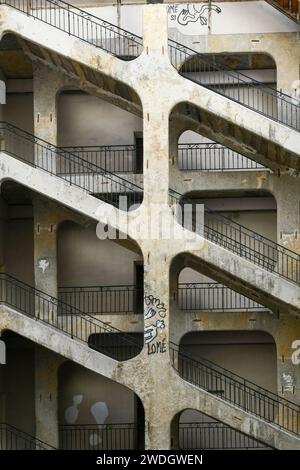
(236, 390)
(213, 157)
(215, 436)
(213, 297)
(97, 300)
(114, 158)
(239, 239)
(235, 85)
(97, 334)
(67, 166)
(12, 438)
(194, 66)
(191, 156)
(98, 437)
(82, 25)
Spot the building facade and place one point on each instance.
(150, 225)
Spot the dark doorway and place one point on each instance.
(139, 152)
(139, 284)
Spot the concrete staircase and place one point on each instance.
(242, 122)
(85, 187)
(237, 391)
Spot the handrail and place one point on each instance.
(115, 436)
(83, 25)
(12, 438)
(67, 319)
(104, 300)
(243, 241)
(212, 296)
(203, 156)
(235, 85)
(39, 153)
(215, 435)
(249, 92)
(236, 390)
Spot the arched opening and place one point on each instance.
(199, 293)
(107, 162)
(232, 365)
(96, 413)
(103, 280)
(197, 153)
(193, 430)
(248, 354)
(101, 133)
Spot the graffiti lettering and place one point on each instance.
(158, 347)
(296, 354)
(192, 13)
(156, 306)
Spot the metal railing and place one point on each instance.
(194, 66)
(82, 25)
(114, 158)
(236, 390)
(242, 241)
(97, 334)
(191, 156)
(12, 438)
(213, 157)
(215, 436)
(67, 166)
(97, 300)
(213, 297)
(98, 437)
(235, 85)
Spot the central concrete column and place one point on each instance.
(155, 107)
(45, 246)
(46, 394)
(46, 84)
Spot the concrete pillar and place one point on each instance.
(288, 334)
(45, 246)
(156, 118)
(46, 84)
(288, 71)
(287, 194)
(46, 394)
(156, 301)
(288, 370)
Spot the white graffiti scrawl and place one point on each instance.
(192, 18)
(152, 331)
(194, 13)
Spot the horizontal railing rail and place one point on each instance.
(115, 158)
(215, 436)
(12, 438)
(96, 334)
(235, 85)
(98, 437)
(242, 241)
(83, 25)
(191, 156)
(236, 390)
(93, 179)
(213, 297)
(97, 300)
(213, 157)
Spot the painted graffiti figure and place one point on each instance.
(194, 13)
(151, 331)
